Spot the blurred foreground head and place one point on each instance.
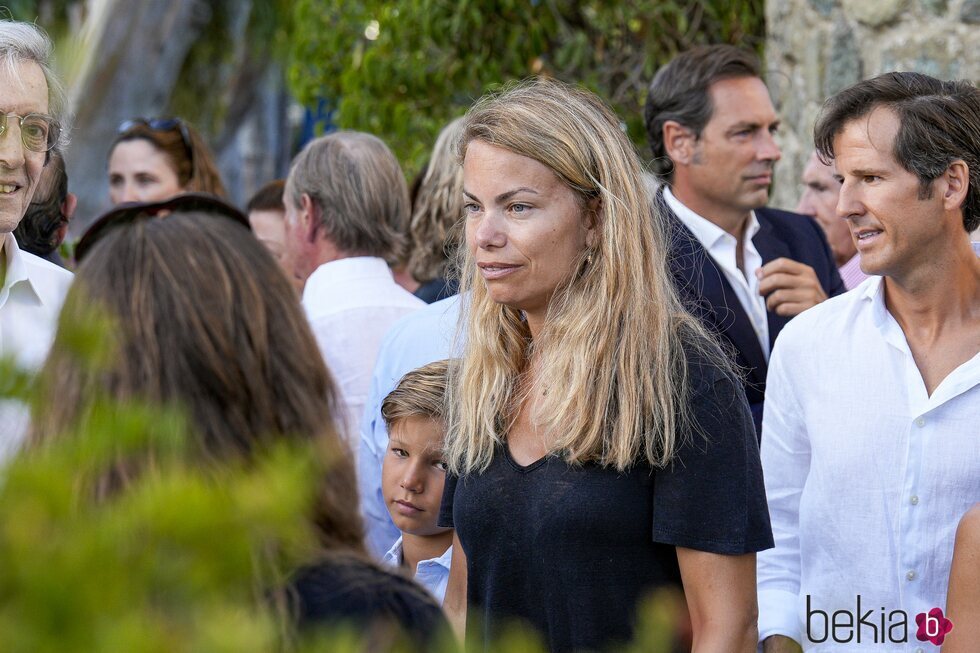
(202, 319)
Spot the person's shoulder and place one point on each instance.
(969, 528)
(49, 280)
(438, 316)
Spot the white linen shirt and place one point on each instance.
(866, 474)
(350, 304)
(30, 300)
(722, 247)
(432, 574)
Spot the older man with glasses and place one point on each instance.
(32, 104)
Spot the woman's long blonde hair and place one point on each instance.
(611, 355)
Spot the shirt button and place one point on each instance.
(910, 575)
(914, 500)
(920, 422)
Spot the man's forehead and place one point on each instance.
(736, 99)
(24, 88)
(872, 134)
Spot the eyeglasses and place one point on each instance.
(131, 212)
(38, 132)
(162, 125)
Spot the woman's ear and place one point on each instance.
(593, 221)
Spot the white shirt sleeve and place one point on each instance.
(785, 454)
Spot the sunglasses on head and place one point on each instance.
(125, 214)
(161, 125)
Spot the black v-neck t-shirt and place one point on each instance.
(572, 549)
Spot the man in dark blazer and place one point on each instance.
(744, 269)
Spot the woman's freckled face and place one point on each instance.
(525, 228)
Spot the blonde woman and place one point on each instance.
(437, 205)
(601, 446)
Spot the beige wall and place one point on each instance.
(817, 47)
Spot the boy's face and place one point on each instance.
(413, 475)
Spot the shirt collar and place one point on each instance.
(336, 273)
(706, 231)
(16, 271)
(394, 555)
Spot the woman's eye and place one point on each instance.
(441, 465)
(401, 453)
(470, 207)
(519, 208)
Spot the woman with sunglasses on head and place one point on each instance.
(151, 160)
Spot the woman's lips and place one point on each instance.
(491, 271)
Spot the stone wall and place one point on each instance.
(815, 48)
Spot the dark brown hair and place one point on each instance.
(939, 122)
(679, 92)
(268, 198)
(204, 320)
(192, 161)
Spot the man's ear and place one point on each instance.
(308, 219)
(679, 142)
(69, 205)
(957, 183)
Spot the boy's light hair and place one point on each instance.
(420, 393)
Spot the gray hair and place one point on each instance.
(359, 191)
(26, 42)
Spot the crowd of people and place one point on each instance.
(540, 387)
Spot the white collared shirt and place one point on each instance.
(866, 474)
(350, 304)
(30, 300)
(722, 247)
(432, 574)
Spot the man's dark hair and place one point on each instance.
(38, 231)
(679, 92)
(268, 198)
(939, 122)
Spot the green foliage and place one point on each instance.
(430, 59)
(113, 537)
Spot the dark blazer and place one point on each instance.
(708, 295)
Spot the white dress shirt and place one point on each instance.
(30, 300)
(432, 574)
(866, 474)
(722, 247)
(350, 304)
(421, 338)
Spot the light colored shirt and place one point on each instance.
(423, 337)
(350, 304)
(723, 247)
(30, 300)
(851, 273)
(866, 474)
(432, 574)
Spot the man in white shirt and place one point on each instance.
(346, 209)
(821, 189)
(32, 106)
(745, 270)
(871, 438)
